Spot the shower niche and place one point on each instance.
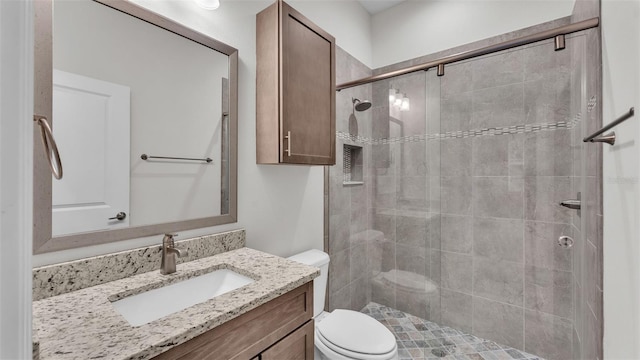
(352, 165)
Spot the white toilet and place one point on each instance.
(344, 334)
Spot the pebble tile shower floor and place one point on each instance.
(421, 339)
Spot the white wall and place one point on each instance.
(621, 90)
(281, 207)
(415, 28)
(16, 154)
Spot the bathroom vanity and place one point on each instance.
(270, 317)
(279, 329)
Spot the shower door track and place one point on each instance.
(557, 34)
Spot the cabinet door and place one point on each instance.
(296, 346)
(308, 91)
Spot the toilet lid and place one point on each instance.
(356, 332)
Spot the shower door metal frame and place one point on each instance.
(557, 33)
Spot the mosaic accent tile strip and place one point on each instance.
(592, 103)
(421, 339)
(70, 276)
(508, 130)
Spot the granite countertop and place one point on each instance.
(84, 325)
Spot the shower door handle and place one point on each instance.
(571, 204)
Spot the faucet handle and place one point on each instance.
(168, 241)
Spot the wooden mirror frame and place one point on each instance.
(43, 241)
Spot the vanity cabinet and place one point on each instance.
(295, 89)
(280, 329)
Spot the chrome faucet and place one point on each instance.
(169, 253)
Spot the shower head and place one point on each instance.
(361, 105)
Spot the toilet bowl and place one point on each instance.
(344, 334)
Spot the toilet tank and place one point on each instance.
(319, 259)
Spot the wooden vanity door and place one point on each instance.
(297, 346)
(308, 91)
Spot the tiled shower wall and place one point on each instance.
(587, 224)
(349, 224)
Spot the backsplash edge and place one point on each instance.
(57, 279)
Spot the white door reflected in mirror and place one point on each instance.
(92, 128)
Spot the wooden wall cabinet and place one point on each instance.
(295, 89)
(281, 329)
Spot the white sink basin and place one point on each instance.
(154, 304)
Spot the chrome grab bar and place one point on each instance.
(611, 137)
(50, 146)
(147, 157)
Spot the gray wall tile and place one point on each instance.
(357, 262)
(549, 291)
(498, 280)
(384, 190)
(339, 270)
(456, 111)
(543, 62)
(359, 293)
(338, 233)
(456, 310)
(548, 153)
(386, 223)
(383, 294)
(411, 192)
(498, 155)
(498, 322)
(579, 310)
(590, 275)
(456, 195)
(455, 157)
(592, 343)
(340, 299)
(498, 69)
(541, 247)
(456, 272)
(459, 79)
(499, 106)
(542, 198)
(413, 259)
(339, 196)
(548, 336)
(435, 269)
(497, 197)
(411, 230)
(413, 303)
(547, 100)
(501, 239)
(412, 159)
(457, 233)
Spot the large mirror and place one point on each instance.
(144, 114)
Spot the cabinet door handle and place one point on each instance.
(288, 137)
(50, 147)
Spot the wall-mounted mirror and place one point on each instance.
(144, 113)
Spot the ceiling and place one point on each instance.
(376, 6)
